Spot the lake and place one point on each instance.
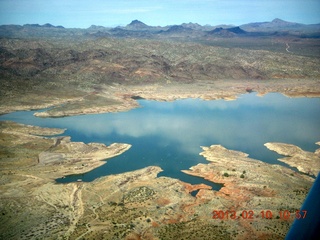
(169, 134)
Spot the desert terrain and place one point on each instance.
(97, 70)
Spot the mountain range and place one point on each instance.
(139, 29)
(276, 24)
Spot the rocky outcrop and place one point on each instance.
(82, 157)
(248, 182)
(306, 162)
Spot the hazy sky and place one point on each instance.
(83, 13)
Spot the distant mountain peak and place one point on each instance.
(278, 20)
(47, 25)
(281, 23)
(227, 31)
(191, 25)
(236, 30)
(178, 29)
(137, 24)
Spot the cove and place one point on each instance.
(169, 134)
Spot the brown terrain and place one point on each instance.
(104, 70)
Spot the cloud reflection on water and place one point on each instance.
(189, 123)
(244, 124)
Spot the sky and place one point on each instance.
(112, 13)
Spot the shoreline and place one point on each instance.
(119, 99)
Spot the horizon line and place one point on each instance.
(121, 25)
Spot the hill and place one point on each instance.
(137, 25)
(228, 32)
(280, 25)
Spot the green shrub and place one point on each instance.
(226, 174)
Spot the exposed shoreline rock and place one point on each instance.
(118, 98)
(306, 162)
(58, 156)
(242, 176)
(251, 185)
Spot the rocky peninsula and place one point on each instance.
(306, 162)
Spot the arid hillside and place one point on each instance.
(33, 67)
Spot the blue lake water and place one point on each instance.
(169, 134)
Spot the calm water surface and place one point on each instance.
(169, 134)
